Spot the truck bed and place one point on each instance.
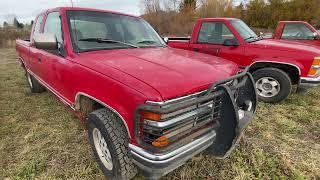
(23, 49)
(179, 42)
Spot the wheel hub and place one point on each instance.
(268, 87)
(102, 149)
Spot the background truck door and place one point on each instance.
(211, 38)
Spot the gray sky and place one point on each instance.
(26, 10)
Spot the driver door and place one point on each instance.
(211, 40)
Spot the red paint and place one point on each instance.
(122, 78)
(268, 50)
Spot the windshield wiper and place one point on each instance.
(147, 42)
(100, 40)
(151, 42)
(256, 38)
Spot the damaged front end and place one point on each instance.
(171, 132)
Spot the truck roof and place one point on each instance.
(86, 9)
(218, 19)
(292, 22)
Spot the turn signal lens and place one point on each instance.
(315, 68)
(316, 61)
(151, 116)
(161, 142)
(313, 72)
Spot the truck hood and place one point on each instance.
(284, 45)
(311, 42)
(171, 72)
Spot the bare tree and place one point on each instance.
(214, 8)
(151, 6)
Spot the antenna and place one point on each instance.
(71, 3)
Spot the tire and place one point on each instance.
(114, 142)
(34, 85)
(273, 85)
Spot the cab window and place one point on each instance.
(214, 33)
(37, 25)
(297, 31)
(53, 26)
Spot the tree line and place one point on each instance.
(178, 16)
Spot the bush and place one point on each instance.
(8, 35)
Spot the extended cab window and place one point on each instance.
(214, 33)
(37, 26)
(92, 30)
(297, 31)
(53, 26)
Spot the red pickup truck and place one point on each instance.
(147, 106)
(276, 65)
(298, 31)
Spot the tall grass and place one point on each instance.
(8, 35)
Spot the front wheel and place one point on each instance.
(273, 85)
(109, 140)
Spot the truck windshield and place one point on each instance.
(91, 30)
(245, 32)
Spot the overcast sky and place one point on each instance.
(26, 10)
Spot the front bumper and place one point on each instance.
(218, 142)
(157, 165)
(310, 82)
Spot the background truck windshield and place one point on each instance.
(245, 32)
(98, 30)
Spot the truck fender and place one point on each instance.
(256, 62)
(77, 107)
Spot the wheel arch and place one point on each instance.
(79, 105)
(293, 71)
(23, 65)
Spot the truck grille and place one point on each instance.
(169, 125)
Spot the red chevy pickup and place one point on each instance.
(298, 31)
(147, 106)
(276, 65)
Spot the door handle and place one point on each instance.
(196, 49)
(216, 51)
(39, 58)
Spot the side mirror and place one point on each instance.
(166, 39)
(261, 34)
(231, 42)
(316, 36)
(45, 41)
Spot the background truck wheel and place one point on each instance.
(34, 85)
(273, 85)
(109, 141)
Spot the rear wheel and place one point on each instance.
(109, 140)
(273, 85)
(34, 85)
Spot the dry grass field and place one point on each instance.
(41, 139)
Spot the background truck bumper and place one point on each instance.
(310, 82)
